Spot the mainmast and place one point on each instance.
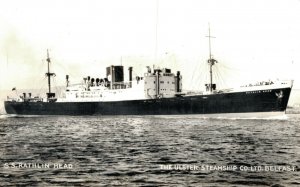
(48, 74)
(211, 62)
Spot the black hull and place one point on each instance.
(238, 102)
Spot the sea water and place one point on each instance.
(149, 151)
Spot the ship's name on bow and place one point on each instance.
(259, 91)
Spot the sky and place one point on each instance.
(254, 40)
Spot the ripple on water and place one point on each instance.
(130, 150)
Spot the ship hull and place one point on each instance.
(273, 101)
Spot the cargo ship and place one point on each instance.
(158, 92)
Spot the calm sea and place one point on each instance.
(149, 151)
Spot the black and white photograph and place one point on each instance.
(150, 93)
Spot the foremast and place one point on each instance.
(211, 61)
(50, 95)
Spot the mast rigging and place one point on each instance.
(48, 74)
(211, 61)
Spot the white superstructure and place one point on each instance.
(161, 83)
